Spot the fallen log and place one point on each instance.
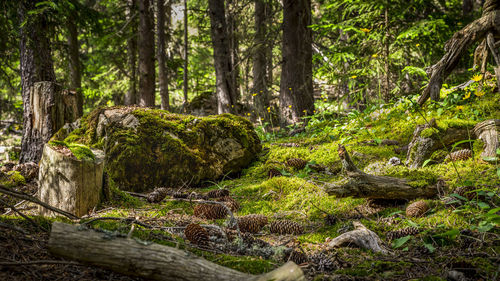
(148, 260)
(364, 185)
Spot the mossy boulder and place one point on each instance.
(146, 148)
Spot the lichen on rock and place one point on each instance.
(149, 147)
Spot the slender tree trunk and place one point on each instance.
(74, 61)
(296, 91)
(386, 56)
(36, 65)
(226, 96)
(161, 57)
(260, 62)
(186, 46)
(146, 55)
(232, 32)
(131, 95)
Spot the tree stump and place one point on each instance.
(488, 132)
(422, 145)
(70, 184)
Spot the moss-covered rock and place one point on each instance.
(148, 147)
(12, 179)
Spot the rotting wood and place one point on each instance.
(488, 132)
(361, 184)
(361, 237)
(148, 260)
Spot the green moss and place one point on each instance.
(80, 151)
(445, 124)
(416, 178)
(12, 179)
(429, 132)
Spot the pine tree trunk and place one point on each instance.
(131, 95)
(232, 31)
(186, 47)
(222, 58)
(36, 65)
(74, 61)
(161, 57)
(260, 61)
(296, 91)
(146, 55)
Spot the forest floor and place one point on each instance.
(458, 237)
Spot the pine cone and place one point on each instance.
(217, 193)
(330, 219)
(297, 163)
(210, 211)
(196, 234)
(298, 257)
(232, 204)
(322, 262)
(252, 223)
(391, 235)
(274, 173)
(417, 209)
(157, 195)
(285, 227)
(466, 191)
(180, 195)
(458, 155)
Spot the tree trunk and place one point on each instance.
(74, 61)
(226, 94)
(260, 81)
(146, 55)
(232, 32)
(36, 65)
(131, 95)
(296, 91)
(149, 260)
(161, 57)
(186, 47)
(457, 45)
(370, 186)
(489, 133)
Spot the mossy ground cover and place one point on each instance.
(451, 236)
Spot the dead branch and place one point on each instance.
(32, 199)
(361, 184)
(361, 237)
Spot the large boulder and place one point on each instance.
(146, 148)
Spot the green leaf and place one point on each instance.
(412, 224)
(426, 162)
(460, 142)
(458, 196)
(492, 211)
(498, 151)
(490, 159)
(483, 205)
(400, 241)
(485, 226)
(498, 172)
(429, 247)
(450, 234)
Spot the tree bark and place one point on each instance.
(186, 48)
(161, 56)
(457, 45)
(232, 32)
(370, 186)
(131, 94)
(36, 65)
(146, 55)
(296, 91)
(148, 260)
(260, 62)
(226, 94)
(488, 132)
(74, 61)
